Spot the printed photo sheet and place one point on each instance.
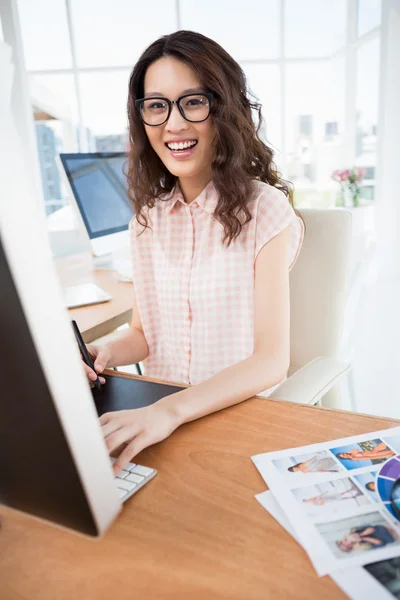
(337, 497)
(379, 580)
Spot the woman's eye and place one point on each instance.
(156, 105)
(194, 102)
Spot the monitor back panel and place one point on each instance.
(38, 474)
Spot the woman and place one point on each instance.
(377, 455)
(213, 240)
(368, 537)
(321, 462)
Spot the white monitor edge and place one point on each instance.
(26, 245)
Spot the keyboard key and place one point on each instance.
(133, 478)
(122, 474)
(122, 493)
(129, 466)
(139, 470)
(123, 484)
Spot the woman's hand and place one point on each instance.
(100, 356)
(136, 429)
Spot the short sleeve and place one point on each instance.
(274, 214)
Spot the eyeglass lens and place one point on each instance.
(195, 108)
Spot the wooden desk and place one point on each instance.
(195, 531)
(99, 319)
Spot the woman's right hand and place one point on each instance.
(100, 356)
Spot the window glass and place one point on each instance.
(368, 15)
(245, 31)
(314, 127)
(45, 36)
(104, 100)
(116, 33)
(314, 27)
(367, 113)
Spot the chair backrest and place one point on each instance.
(318, 285)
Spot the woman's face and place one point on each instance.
(347, 543)
(171, 78)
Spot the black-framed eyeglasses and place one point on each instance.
(193, 107)
(395, 498)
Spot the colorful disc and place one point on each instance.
(389, 472)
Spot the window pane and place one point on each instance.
(112, 34)
(314, 127)
(45, 34)
(367, 112)
(314, 27)
(264, 82)
(369, 15)
(104, 100)
(245, 31)
(49, 139)
(53, 101)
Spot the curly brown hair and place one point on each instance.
(239, 155)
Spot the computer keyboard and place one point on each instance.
(131, 479)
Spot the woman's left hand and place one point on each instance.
(137, 429)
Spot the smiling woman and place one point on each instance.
(213, 240)
(222, 126)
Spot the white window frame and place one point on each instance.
(349, 51)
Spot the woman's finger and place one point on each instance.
(89, 372)
(106, 418)
(110, 427)
(119, 437)
(101, 361)
(130, 451)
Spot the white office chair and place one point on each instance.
(318, 293)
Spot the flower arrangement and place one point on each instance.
(349, 180)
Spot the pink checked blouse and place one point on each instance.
(195, 295)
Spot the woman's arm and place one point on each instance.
(126, 347)
(380, 451)
(373, 541)
(367, 531)
(266, 367)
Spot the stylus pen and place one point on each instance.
(84, 352)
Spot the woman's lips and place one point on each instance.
(182, 153)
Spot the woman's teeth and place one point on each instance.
(181, 145)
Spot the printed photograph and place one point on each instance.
(363, 454)
(367, 482)
(330, 497)
(312, 462)
(387, 572)
(358, 534)
(394, 442)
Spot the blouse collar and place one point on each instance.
(207, 199)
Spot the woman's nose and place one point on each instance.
(175, 121)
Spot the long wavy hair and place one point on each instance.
(239, 155)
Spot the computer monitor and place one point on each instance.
(97, 186)
(53, 460)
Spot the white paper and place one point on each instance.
(356, 582)
(339, 521)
